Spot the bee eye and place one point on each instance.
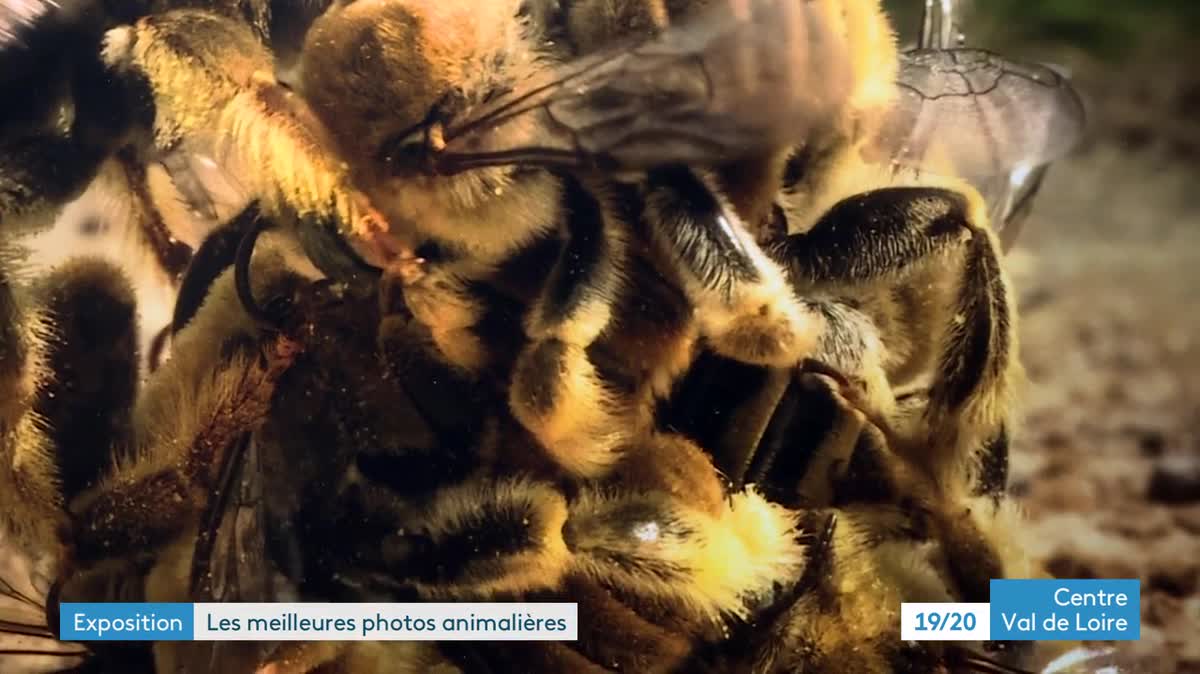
(406, 151)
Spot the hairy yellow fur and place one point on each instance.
(32, 507)
(715, 563)
(760, 322)
(711, 566)
(188, 394)
(257, 129)
(587, 435)
(872, 41)
(911, 309)
(543, 511)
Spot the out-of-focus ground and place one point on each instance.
(1107, 461)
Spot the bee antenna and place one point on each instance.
(157, 346)
(241, 271)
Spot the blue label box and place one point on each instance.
(1066, 610)
(126, 622)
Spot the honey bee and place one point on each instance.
(571, 534)
(937, 294)
(488, 129)
(888, 529)
(525, 238)
(672, 223)
(861, 214)
(392, 492)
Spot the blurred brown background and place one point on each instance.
(1108, 268)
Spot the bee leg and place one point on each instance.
(217, 253)
(743, 299)
(556, 391)
(892, 501)
(717, 389)
(848, 347)
(30, 503)
(173, 473)
(992, 478)
(896, 231)
(241, 274)
(985, 467)
(814, 440)
(93, 350)
(884, 234)
(849, 343)
(483, 539)
(217, 385)
(257, 121)
(978, 366)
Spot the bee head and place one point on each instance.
(385, 75)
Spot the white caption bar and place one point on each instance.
(945, 622)
(386, 622)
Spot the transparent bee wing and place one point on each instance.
(746, 76)
(22, 653)
(195, 193)
(27, 645)
(1010, 200)
(234, 568)
(973, 114)
(230, 562)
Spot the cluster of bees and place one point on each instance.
(692, 312)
